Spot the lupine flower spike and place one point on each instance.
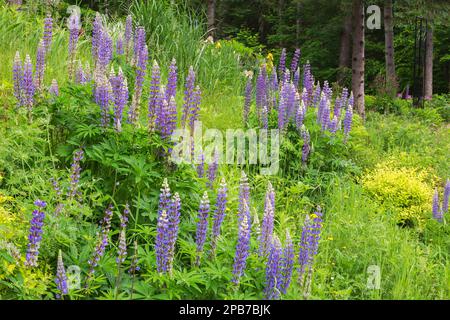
(17, 79)
(219, 214)
(48, 32)
(267, 222)
(35, 234)
(446, 197)
(61, 278)
(40, 67)
(102, 242)
(437, 212)
(212, 168)
(202, 226)
(75, 173)
(273, 270)
(287, 264)
(243, 246)
(173, 227)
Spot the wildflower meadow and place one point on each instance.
(143, 156)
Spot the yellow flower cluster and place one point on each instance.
(405, 191)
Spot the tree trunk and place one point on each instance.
(211, 17)
(391, 78)
(358, 56)
(344, 53)
(429, 64)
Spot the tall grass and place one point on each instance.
(174, 31)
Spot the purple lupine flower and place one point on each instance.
(244, 196)
(314, 235)
(104, 50)
(303, 250)
(188, 96)
(173, 227)
(446, 196)
(74, 25)
(344, 97)
(327, 90)
(322, 105)
(261, 91)
(102, 242)
(122, 247)
(48, 32)
(348, 121)
(103, 92)
(35, 234)
(350, 100)
(172, 79)
(54, 89)
(201, 165)
(164, 197)
(267, 222)
(56, 186)
(40, 66)
(248, 98)
(287, 264)
(282, 113)
(337, 107)
(195, 107)
(212, 168)
(27, 83)
(308, 84)
(96, 35)
(273, 270)
(273, 85)
(202, 226)
(325, 116)
(296, 77)
(265, 118)
(128, 33)
(317, 95)
(120, 96)
(243, 245)
(295, 59)
(172, 116)
(17, 79)
(133, 113)
(162, 113)
(437, 213)
(282, 66)
(306, 148)
(334, 124)
(80, 76)
(139, 43)
(300, 116)
(219, 214)
(309, 242)
(161, 242)
(154, 102)
(125, 215)
(119, 46)
(61, 278)
(75, 173)
(292, 98)
(134, 266)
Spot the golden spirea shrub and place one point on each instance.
(404, 191)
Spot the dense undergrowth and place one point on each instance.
(375, 186)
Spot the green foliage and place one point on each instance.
(402, 190)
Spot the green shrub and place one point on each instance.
(403, 191)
